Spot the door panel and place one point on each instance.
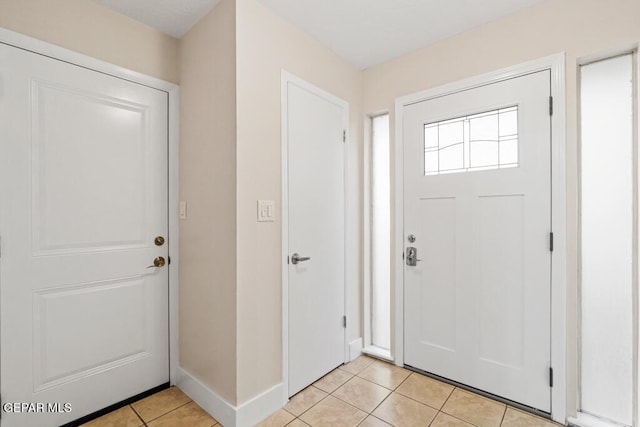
(83, 182)
(77, 215)
(315, 127)
(477, 197)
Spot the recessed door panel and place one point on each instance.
(78, 139)
(438, 294)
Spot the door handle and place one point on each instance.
(295, 258)
(411, 257)
(158, 262)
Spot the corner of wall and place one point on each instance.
(208, 299)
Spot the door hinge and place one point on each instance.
(551, 105)
(344, 321)
(550, 376)
(344, 136)
(551, 242)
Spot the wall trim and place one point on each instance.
(261, 406)
(286, 78)
(247, 414)
(556, 64)
(40, 47)
(355, 348)
(219, 408)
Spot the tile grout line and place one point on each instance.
(144, 423)
(306, 410)
(504, 414)
(168, 412)
(383, 400)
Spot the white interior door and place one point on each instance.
(83, 181)
(315, 123)
(477, 180)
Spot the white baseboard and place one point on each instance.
(216, 406)
(260, 407)
(247, 414)
(355, 348)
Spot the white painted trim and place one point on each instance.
(366, 226)
(55, 52)
(249, 413)
(355, 349)
(397, 343)
(219, 408)
(284, 212)
(260, 407)
(555, 63)
(174, 231)
(378, 353)
(636, 301)
(585, 420)
(287, 78)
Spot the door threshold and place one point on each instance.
(584, 419)
(378, 353)
(508, 402)
(117, 405)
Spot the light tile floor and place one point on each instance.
(167, 408)
(365, 393)
(371, 393)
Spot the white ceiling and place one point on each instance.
(368, 32)
(173, 17)
(364, 32)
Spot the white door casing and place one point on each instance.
(314, 124)
(84, 194)
(477, 307)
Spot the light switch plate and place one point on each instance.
(266, 210)
(183, 209)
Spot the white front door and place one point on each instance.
(315, 123)
(83, 195)
(477, 194)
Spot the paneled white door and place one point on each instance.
(83, 181)
(315, 123)
(477, 194)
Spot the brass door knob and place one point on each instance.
(158, 262)
(159, 241)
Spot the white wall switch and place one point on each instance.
(266, 210)
(183, 210)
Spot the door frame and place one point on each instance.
(20, 41)
(556, 65)
(286, 78)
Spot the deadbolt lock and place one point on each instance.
(159, 241)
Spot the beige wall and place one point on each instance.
(266, 45)
(88, 28)
(208, 184)
(577, 27)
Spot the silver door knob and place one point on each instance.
(411, 257)
(295, 258)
